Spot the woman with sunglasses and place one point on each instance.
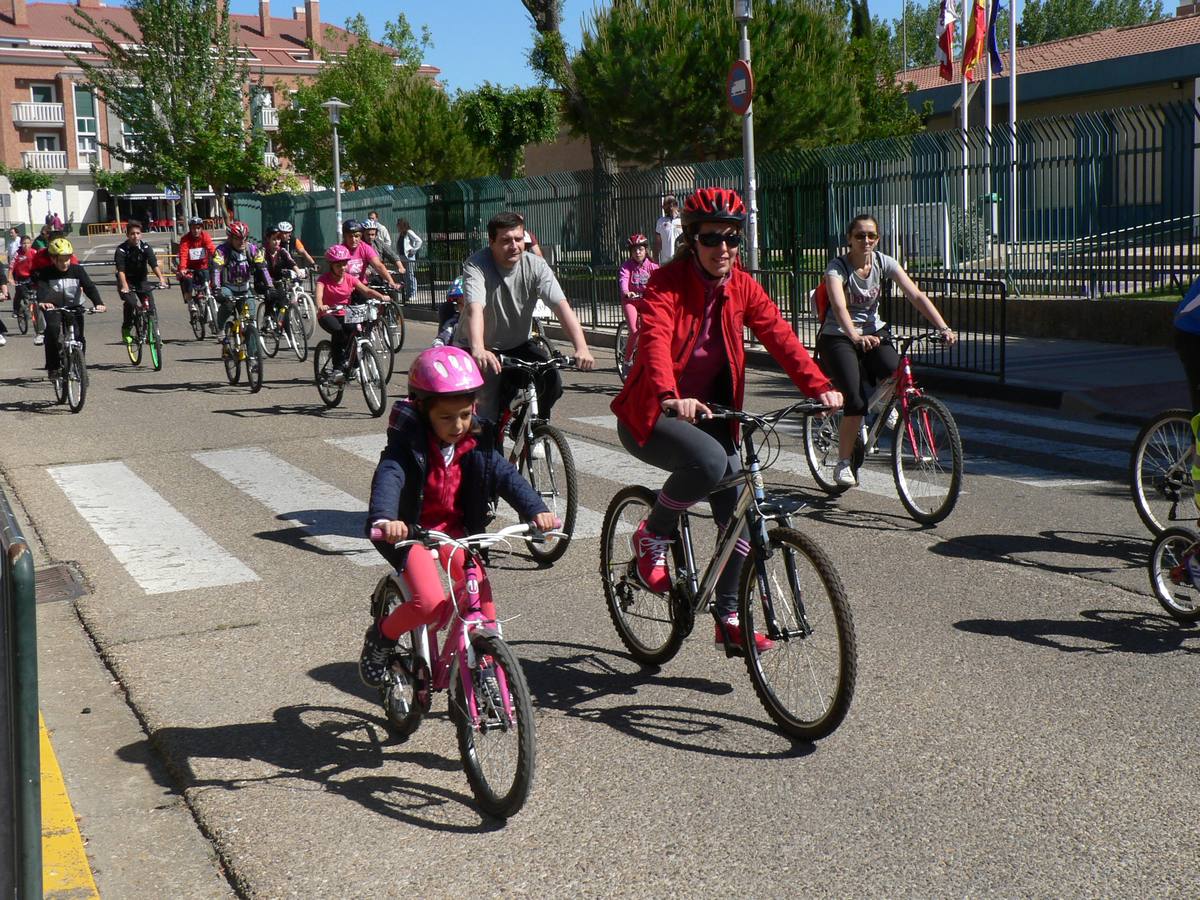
(690, 353)
(853, 337)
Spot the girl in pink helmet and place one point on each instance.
(631, 280)
(438, 471)
(335, 290)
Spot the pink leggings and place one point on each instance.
(631, 314)
(429, 602)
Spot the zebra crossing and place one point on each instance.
(164, 551)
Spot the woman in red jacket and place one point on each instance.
(690, 353)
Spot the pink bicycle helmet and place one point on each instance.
(338, 253)
(444, 370)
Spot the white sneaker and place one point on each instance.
(843, 474)
(892, 420)
(3, 340)
(39, 340)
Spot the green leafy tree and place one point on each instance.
(505, 121)
(885, 112)
(1049, 20)
(28, 180)
(177, 81)
(115, 183)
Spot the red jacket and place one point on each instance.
(441, 509)
(673, 306)
(186, 244)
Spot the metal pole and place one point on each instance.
(337, 182)
(1012, 122)
(987, 127)
(188, 206)
(748, 160)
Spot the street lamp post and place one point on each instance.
(334, 107)
(743, 12)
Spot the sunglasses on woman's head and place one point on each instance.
(866, 235)
(714, 239)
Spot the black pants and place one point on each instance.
(53, 343)
(341, 335)
(131, 299)
(845, 363)
(549, 384)
(1187, 345)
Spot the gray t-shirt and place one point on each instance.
(862, 294)
(508, 298)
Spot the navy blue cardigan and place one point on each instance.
(398, 487)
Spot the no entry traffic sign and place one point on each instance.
(739, 87)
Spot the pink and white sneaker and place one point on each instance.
(651, 552)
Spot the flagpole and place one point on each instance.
(987, 125)
(966, 161)
(1012, 122)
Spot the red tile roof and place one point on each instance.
(1099, 46)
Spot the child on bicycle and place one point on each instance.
(438, 471)
(449, 313)
(631, 280)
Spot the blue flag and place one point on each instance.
(993, 46)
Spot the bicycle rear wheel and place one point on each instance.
(137, 336)
(497, 745)
(154, 342)
(644, 620)
(1160, 469)
(231, 355)
(807, 681)
(1169, 576)
(927, 460)
(374, 387)
(323, 372)
(294, 325)
(393, 321)
(821, 450)
(552, 476)
(621, 349)
(75, 374)
(254, 358)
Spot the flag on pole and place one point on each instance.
(993, 43)
(976, 32)
(945, 39)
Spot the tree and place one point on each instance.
(505, 121)
(1049, 20)
(115, 183)
(637, 57)
(29, 180)
(178, 84)
(885, 111)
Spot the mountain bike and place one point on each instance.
(789, 590)
(540, 451)
(489, 700)
(143, 329)
(392, 320)
(1175, 572)
(282, 323)
(296, 289)
(1160, 470)
(242, 345)
(927, 454)
(202, 308)
(24, 306)
(71, 380)
(363, 364)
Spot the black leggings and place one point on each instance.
(341, 333)
(1187, 345)
(845, 363)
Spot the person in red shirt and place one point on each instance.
(21, 273)
(195, 250)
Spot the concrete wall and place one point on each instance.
(1138, 322)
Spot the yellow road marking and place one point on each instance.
(65, 869)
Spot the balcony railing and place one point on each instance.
(37, 114)
(268, 118)
(270, 159)
(45, 160)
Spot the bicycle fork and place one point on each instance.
(470, 668)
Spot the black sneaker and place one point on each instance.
(373, 663)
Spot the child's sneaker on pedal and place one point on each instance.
(125, 334)
(733, 630)
(651, 552)
(373, 662)
(843, 473)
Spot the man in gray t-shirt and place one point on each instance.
(501, 287)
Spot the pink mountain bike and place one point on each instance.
(489, 700)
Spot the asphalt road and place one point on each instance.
(1022, 724)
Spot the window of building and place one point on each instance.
(43, 93)
(128, 138)
(46, 142)
(86, 133)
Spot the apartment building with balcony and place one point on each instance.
(56, 124)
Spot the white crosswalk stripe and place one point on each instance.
(332, 517)
(159, 547)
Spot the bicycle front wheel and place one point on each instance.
(927, 460)
(383, 351)
(254, 359)
(374, 386)
(23, 318)
(294, 324)
(549, 466)
(231, 355)
(1170, 578)
(268, 331)
(137, 335)
(643, 620)
(323, 374)
(75, 375)
(807, 680)
(393, 321)
(1160, 469)
(308, 312)
(210, 316)
(196, 320)
(497, 741)
(821, 450)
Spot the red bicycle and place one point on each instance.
(927, 454)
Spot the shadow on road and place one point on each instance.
(161, 387)
(316, 410)
(1097, 631)
(41, 396)
(322, 745)
(1016, 548)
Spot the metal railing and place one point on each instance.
(20, 772)
(38, 114)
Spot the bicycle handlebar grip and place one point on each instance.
(377, 534)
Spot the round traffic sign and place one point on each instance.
(739, 87)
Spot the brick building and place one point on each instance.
(55, 124)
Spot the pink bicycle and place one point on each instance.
(489, 701)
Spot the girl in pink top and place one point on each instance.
(335, 290)
(632, 278)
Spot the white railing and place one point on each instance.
(270, 159)
(44, 160)
(268, 118)
(38, 114)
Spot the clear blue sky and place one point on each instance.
(474, 40)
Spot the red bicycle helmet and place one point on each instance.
(239, 229)
(714, 204)
(637, 240)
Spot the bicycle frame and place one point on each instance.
(902, 390)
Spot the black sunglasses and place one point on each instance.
(716, 239)
(866, 235)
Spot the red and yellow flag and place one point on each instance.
(976, 36)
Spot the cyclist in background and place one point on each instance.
(449, 313)
(196, 248)
(134, 260)
(362, 254)
(292, 243)
(57, 286)
(631, 280)
(279, 262)
(235, 265)
(382, 248)
(691, 352)
(1187, 345)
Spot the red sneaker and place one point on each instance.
(651, 552)
(762, 643)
